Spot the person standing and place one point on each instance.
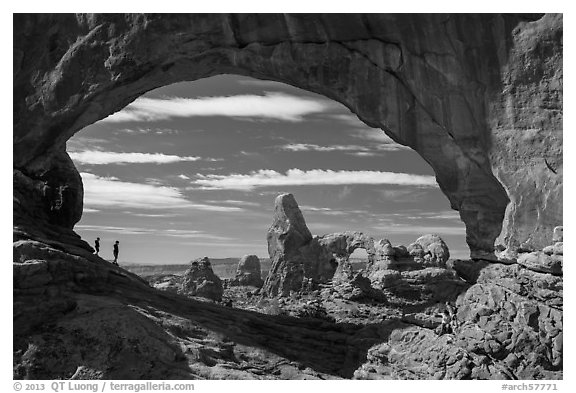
(97, 245)
(116, 252)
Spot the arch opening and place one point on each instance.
(207, 192)
(379, 80)
(359, 260)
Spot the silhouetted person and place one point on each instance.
(97, 245)
(116, 252)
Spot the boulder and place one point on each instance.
(435, 250)
(248, 272)
(200, 280)
(539, 261)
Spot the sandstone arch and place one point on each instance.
(478, 96)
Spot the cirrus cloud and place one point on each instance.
(96, 157)
(297, 177)
(270, 106)
(113, 193)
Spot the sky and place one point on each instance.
(192, 169)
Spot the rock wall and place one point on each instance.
(478, 96)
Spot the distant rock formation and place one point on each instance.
(200, 280)
(295, 256)
(248, 272)
(341, 245)
(300, 262)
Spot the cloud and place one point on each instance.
(270, 106)
(263, 83)
(422, 230)
(108, 157)
(332, 212)
(184, 177)
(152, 215)
(297, 177)
(88, 210)
(151, 231)
(313, 147)
(356, 150)
(382, 141)
(236, 202)
(111, 193)
(79, 143)
(441, 215)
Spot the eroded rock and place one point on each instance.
(200, 280)
(248, 272)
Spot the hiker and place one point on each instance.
(97, 245)
(116, 253)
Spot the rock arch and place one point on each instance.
(478, 96)
(342, 245)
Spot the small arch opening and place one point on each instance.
(358, 260)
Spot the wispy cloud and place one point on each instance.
(355, 150)
(113, 193)
(164, 215)
(79, 143)
(313, 147)
(151, 231)
(332, 212)
(421, 230)
(441, 215)
(382, 141)
(107, 157)
(297, 177)
(271, 106)
(152, 130)
(183, 177)
(236, 202)
(263, 83)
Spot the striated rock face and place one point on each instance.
(478, 96)
(200, 280)
(248, 272)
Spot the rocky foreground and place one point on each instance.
(79, 317)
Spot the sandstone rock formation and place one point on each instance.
(485, 113)
(200, 280)
(478, 96)
(248, 272)
(295, 256)
(510, 328)
(341, 246)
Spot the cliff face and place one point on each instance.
(478, 96)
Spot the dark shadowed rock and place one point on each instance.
(200, 280)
